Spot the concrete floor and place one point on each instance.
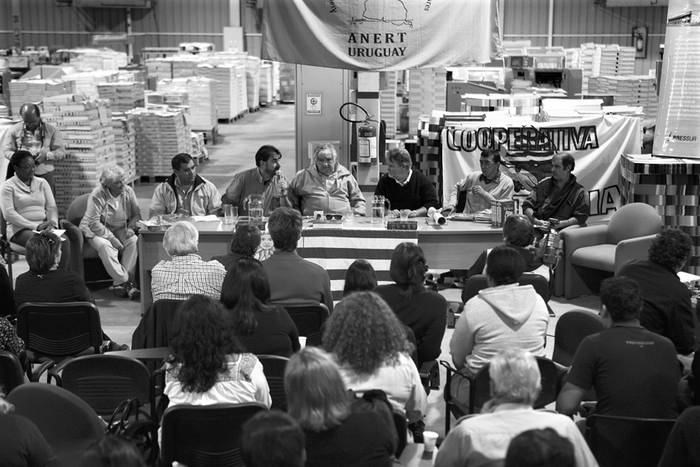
(234, 151)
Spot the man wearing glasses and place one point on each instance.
(478, 190)
(264, 180)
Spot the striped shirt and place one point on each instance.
(187, 275)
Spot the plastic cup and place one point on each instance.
(429, 440)
(230, 214)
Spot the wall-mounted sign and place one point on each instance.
(313, 103)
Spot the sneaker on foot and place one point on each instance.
(120, 290)
(132, 292)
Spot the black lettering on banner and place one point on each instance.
(526, 138)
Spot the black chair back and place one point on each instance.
(273, 367)
(58, 330)
(202, 436)
(309, 320)
(11, 373)
(156, 325)
(550, 378)
(627, 441)
(401, 430)
(571, 328)
(104, 381)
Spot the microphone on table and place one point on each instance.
(436, 216)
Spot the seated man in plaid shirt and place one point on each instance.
(185, 274)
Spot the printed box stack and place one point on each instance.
(124, 96)
(428, 91)
(616, 60)
(287, 82)
(590, 63)
(229, 87)
(97, 59)
(266, 91)
(35, 90)
(125, 144)
(200, 95)
(252, 74)
(158, 69)
(639, 90)
(86, 126)
(388, 103)
(160, 134)
(86, 82)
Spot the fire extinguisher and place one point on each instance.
(366, 143)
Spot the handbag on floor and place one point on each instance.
(128, 421)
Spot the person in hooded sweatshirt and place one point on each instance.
(503, 316)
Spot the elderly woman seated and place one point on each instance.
(483, 439)
(109, 227)
(185, 273)
(28, 205)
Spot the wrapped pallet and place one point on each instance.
(125, 143)
(160, 134)
(252, 73)
(229, 87)
(201, 98)
(35, 90)
(124, 96)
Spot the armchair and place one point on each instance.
(593, 253)
(90, 266)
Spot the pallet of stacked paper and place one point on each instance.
(616, 60)
(160, 134)
(590, 62)
(199, 149)
(124, 96)
(86, 126)
(428, 91)
(252, 74)
(287, 82)
(4, 111)
(184, 65)
(229, 87)
(200, 94)
(266, 92)
(125, 143)
(388, 104)
(633, 90)
(275, 80)
(35, 90)
(86, 82)
(86, 59)
(158, 69)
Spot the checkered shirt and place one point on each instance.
(184, 276)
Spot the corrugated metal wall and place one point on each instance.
(580, 21)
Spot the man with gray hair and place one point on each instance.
(483, 439)
(185, 273)
(109, 227)
(326, 186)
(405, 188)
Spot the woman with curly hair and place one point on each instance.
(373, 353)
(424, 311)
(339, 430)
(261, 328)
(207, 364)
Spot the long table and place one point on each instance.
(454, 245)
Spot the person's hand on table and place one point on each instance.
(395, 213)
(46, 225)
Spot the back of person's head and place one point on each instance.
(201, 340)
(540, 448)
(671, 249)
(622, 298)
(285, 225)
(43, 252)
(18, 156)
(359, 277)
(112, 451)
(408, 266)
(515, 377)
(504, 265)
(246, 240)
(179, 159)
(364, 334)
(518, 230)
(273, 439)
(245, 291)
(265, 152)
(181, 238)
(400, 157)
(316, 395)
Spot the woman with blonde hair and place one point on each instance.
(339, 431)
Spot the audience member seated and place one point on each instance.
(483, 439)
(339, 431)
(185, 273)
(21, 442)
(359, 277)
(109, 227)
(326, 186)
(207, 364)
(405, 188)
(292, 278)
(261, 328)
(504, 316)
(265, 180)
(634, 371)
(28, 205)
(481, 188)
(424, 311)
(9, 340)
(112, 451)
(245, 242)
(683, 444)
(558, 197)
(371, 348)
(542, 447)
(667, 309)
(273, 439)
(185, 193)
(518, 234)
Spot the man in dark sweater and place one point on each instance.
(404, 188)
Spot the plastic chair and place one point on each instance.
(68, 423)
(11, 372)
(202, 436)
(273, 367)
(571, 328)
(627, 441)
(309, 320)
(595, 252)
